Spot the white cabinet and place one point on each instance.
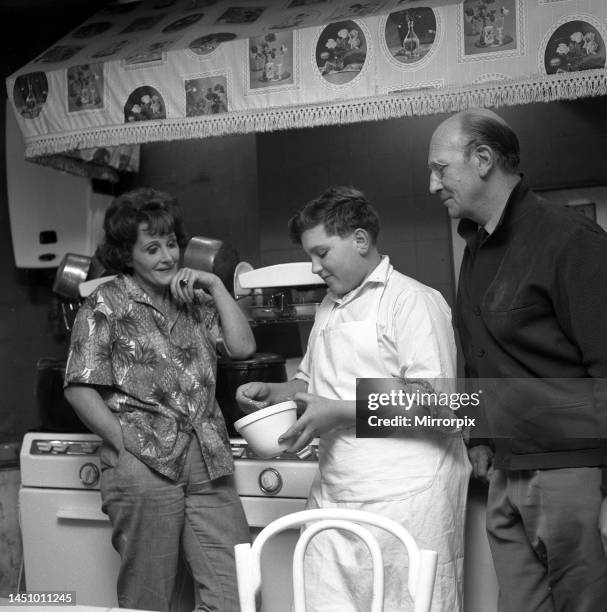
(51, 212)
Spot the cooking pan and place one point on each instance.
(72, 271)
(212, 255)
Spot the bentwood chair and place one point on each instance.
(422, 563)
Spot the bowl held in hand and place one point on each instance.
(261, 429)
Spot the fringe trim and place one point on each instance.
(404, 103)
(64, 163)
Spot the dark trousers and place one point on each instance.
(545, 542)
(154, 520)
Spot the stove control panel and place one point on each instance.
(64, 447)
(60, 460)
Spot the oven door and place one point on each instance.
(67, 544)
(276, 572)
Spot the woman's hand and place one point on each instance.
(320, 415)
(186, 279)
(94, 413)
(237, 335)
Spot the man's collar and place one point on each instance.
(467, 228)
(496, 219)
(516, 195)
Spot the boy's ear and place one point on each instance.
(362, 241)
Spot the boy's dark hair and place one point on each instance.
(341, 210)
(159, 211)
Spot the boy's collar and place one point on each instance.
(378, 276)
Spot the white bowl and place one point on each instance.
(261, 429)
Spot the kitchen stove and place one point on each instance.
(67, 538)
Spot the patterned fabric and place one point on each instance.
(149, 74)
(156, 371)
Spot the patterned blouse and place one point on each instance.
(155, 372)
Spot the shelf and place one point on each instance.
(293, 274)
(282, 320)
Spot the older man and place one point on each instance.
(531, 305)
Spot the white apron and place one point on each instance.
(420, 483)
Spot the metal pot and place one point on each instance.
(72, 271)
(212, 255)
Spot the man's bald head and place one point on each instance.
(481, 126)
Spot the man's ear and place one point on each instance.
(362, 241)
(485, 159)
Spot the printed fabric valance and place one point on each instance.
(160, 70)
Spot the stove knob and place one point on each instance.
(89, 474)
(305, 453)
(270, 481)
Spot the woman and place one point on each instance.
(141, 375)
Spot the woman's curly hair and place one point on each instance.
(158, 211)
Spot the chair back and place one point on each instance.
(422, 563)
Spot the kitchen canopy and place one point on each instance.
(160, 70)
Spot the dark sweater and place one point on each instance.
(532, 304)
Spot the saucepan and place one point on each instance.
(72, 271)
(212, 255)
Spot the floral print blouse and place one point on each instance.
(156, 371)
